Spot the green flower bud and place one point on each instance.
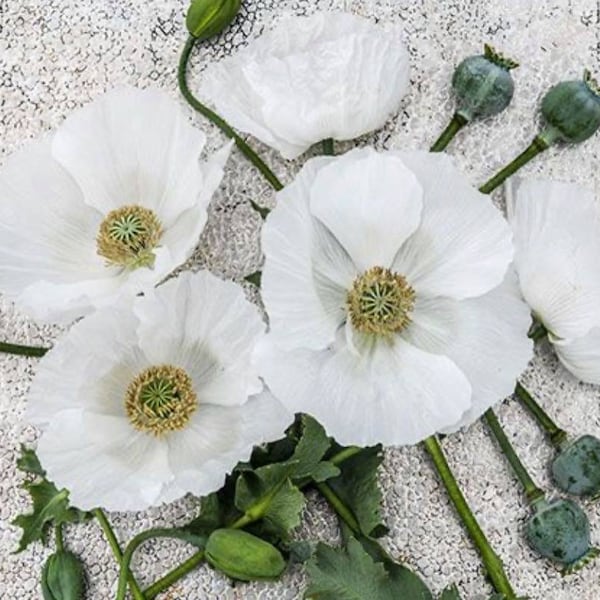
(206, 18)
(576, 468)
(63, 577)
(572, 109)
(243, 556)
(483, 84)
(560, 530)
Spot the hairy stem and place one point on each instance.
(532, 491)
(21, 350)
(454, 126)
(104, 523)
(492, 562)
(212, 116)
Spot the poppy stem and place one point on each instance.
(21, 350)
(556, 435)
(492, 562)
(532, 492)
(454, 126)
(104, 523)
(328, 147)
(213, 117)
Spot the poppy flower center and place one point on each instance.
(128, 236)
(160, 399)
(380, 302)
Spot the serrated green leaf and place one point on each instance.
(358, 488)
(50, 507)
(28, 462)
(210, 517)
(352, 574)
(451, 593)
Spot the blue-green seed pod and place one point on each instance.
(483, 84)
(560, 530)
(63, 577)
(572, 109)
(576, 468)
(243, 556)
(206, 18)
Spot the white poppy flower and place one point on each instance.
(329, 75)
(109, 204)
(392, 308)
(148, 400)
(557, 248)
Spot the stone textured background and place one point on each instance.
(58, 54)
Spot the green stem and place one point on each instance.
(556, 435)
(58, 537)
(246, 150)
(22, 350)
(136, 542)
(340, 508)
(104, 523)
(492, 562)
(532, 492)
(189, 565)
(540, 143)
(328, 147)
(456, 124)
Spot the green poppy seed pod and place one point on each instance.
(63, 577)
(206, 18)
(572, 109)
(243, 556)
(560, 530)
(483, 84)
(576, 468)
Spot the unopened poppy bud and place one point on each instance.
(63, 577)
(576, 468)
(483, 84)
(572, 109)
(243, 556)
(560, 530)
(206, 18)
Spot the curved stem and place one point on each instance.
(456, 124)
(556, 435)
(136, 542)
(492, 562)
(538, 145)
(58, 537)
(104, 523)
(344, 454)
(532, 491)
(340, 508)
(328, 147)
(246, 150)
(22, 350)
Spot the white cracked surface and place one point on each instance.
(57, 54)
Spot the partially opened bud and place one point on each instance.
(560, 530)
(206, 18)
(483, 84)
(576, 468)
(243, 556)
(63, 577)
(572, 109)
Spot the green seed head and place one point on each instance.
(576, 468)
(206, 18)
(560, 530)
(572, 109)
(483, 84)
(63, 577)
(243, 556)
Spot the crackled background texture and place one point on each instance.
(56, 55)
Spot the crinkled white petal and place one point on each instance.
(463, 245)
(557, 244)
(371, 202)
(306, 273)
(206, 326)
(395, 395)
(581, 356)
(329, 75)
